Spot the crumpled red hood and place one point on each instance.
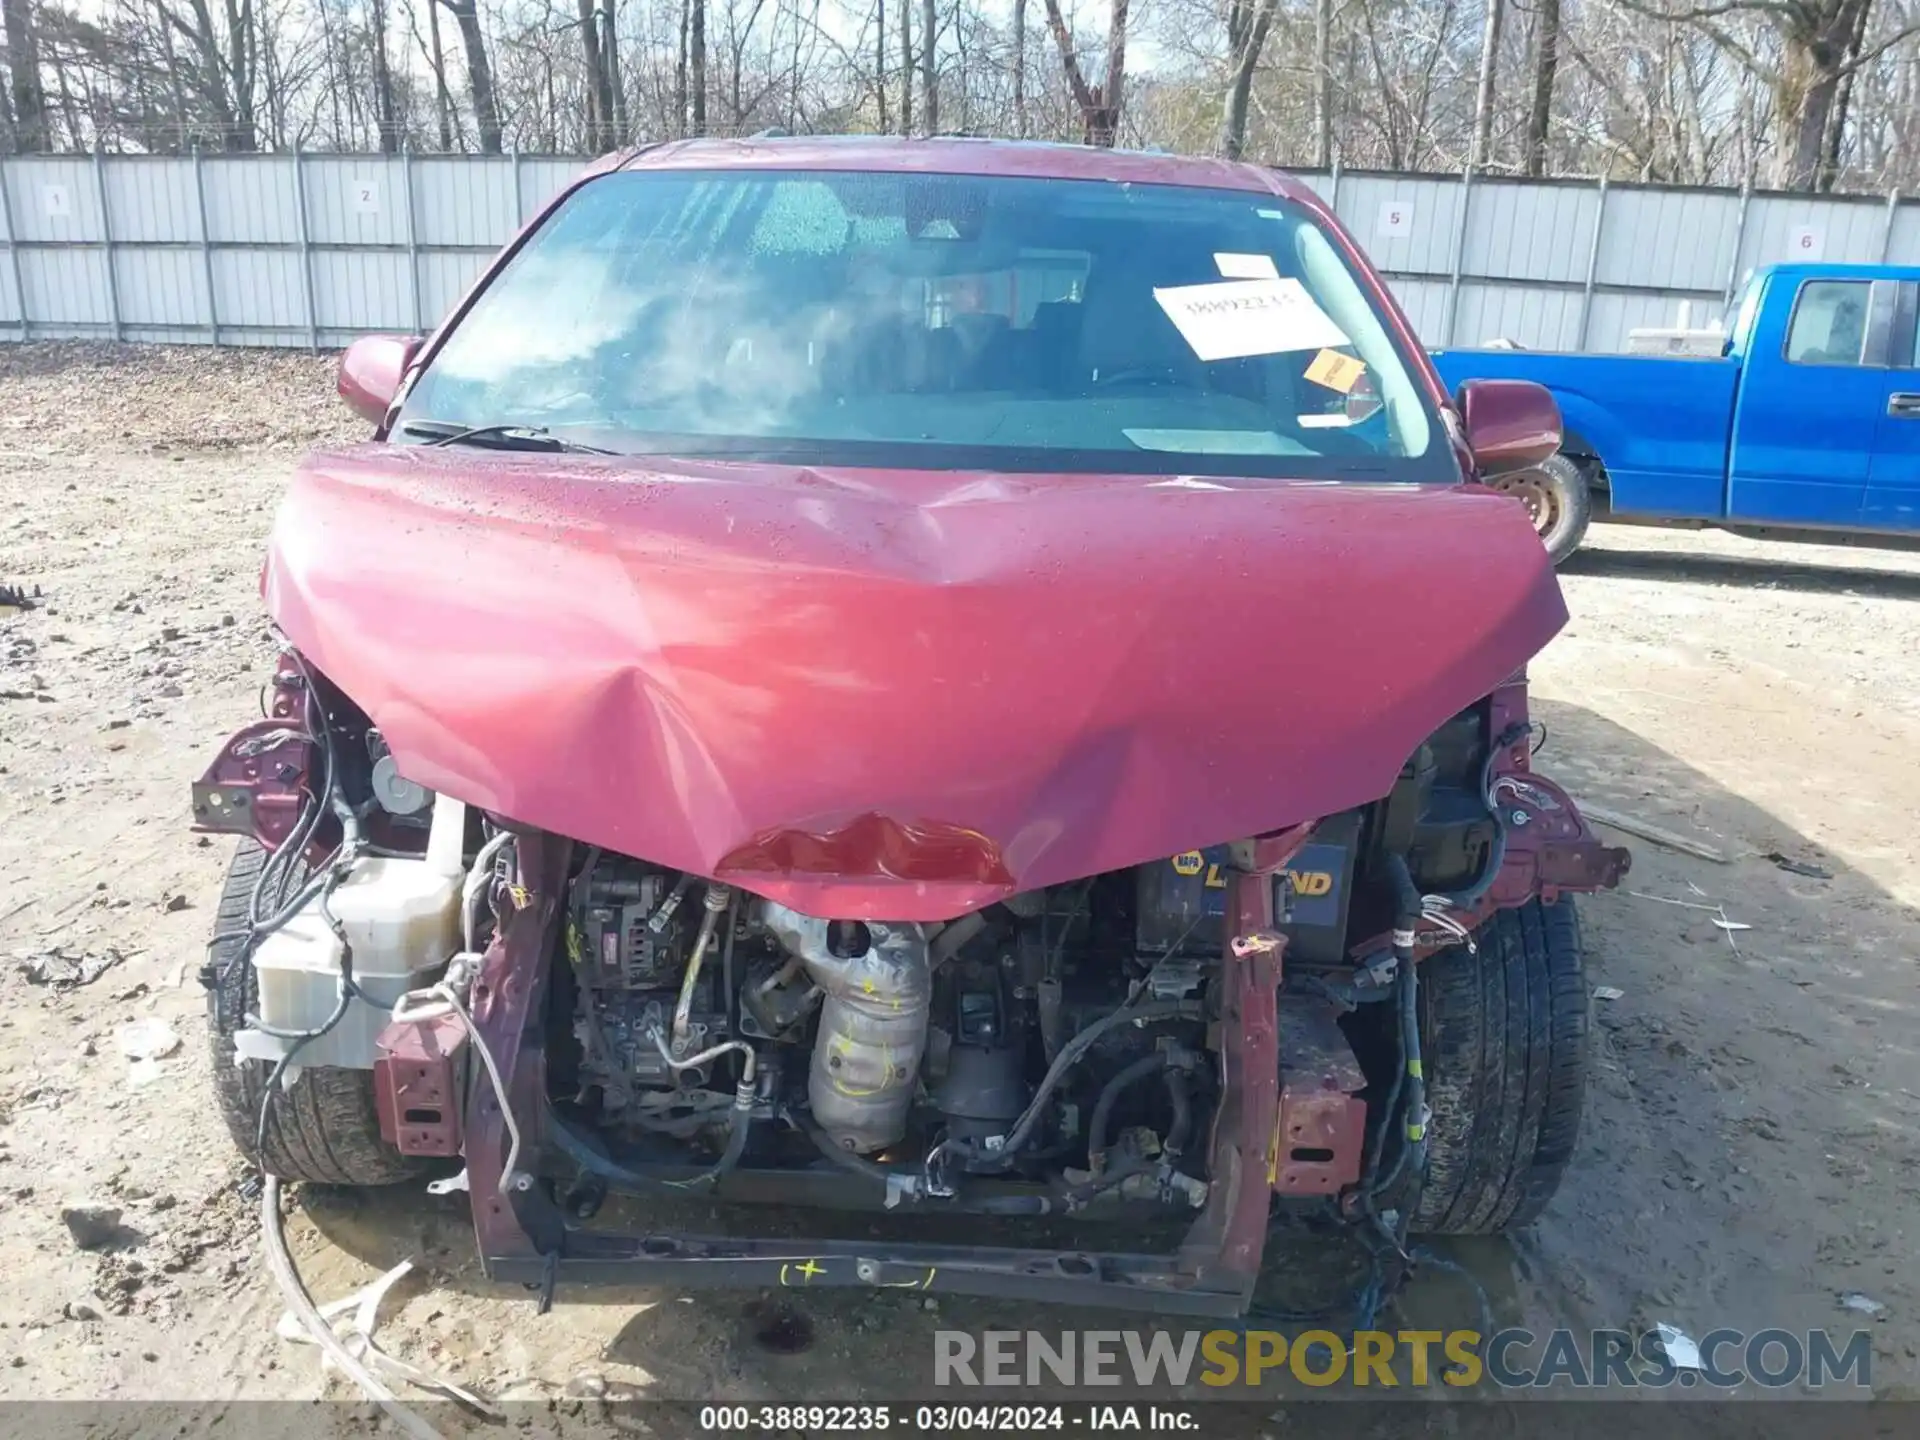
(897, 695)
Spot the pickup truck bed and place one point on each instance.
(1658, 424)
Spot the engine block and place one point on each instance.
(630, 937)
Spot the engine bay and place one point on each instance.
(1060, 1038)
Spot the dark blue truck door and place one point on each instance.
(1893, 483)
(1814, 386)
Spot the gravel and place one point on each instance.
(74, 397)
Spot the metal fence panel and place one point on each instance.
(1616, 313)
(251, 200)
(310, 250)
(1406, 224)
(1798, 227)
(460, 201)
(1425, 302)
(13, 309)
(66, 291)
(260, 289)
(355, 200)
(53, 199)
(359, 291)
(152, 203)
(159, 287)
(1680, 240)
(1903, 235)
(1538, 318)
(1530, 232)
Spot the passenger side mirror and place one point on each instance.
(1510, 424)
(371, 371)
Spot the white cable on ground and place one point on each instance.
(280, 1264)
(364, 1306)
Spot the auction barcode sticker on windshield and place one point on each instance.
(1237, 318)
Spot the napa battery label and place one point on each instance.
(1186, 896)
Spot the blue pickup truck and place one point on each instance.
(1806, 427)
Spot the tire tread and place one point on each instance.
(1505, 1059)
(323, 1128)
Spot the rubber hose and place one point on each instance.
(1110, 1094)
(588, 1155)
(1416, 1076)
(1497, 852)
(1182, 1127)
(1371, 1179)
(1069, 1055)
(1407, 1076)
(1406, 896)
(845, 1159)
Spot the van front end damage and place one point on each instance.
(921, 879)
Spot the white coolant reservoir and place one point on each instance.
(402, 918)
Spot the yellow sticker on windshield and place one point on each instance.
(1336, 371)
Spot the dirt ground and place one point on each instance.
(1749, 1155)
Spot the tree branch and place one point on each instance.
(1698, 13)
(1877, 49)
(1082, 92)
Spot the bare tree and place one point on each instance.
(906, 67)
(880, 58)
(1806, 49)
(697, 62)
(222, 64)
(1247, 24)
(437, 64)
(486, 112)
(1489, 74)
(23, 70)
(386, 106)
(1100, 105)
(1020, 68)
(600, 122)
(1546, 61)
(1323, 83)
(929, 73)
(1820, 94)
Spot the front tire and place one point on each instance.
(324, 1127)
(1559, 501)
(1505, 1056)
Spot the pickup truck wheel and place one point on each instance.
(1558, 500)
(322, 1128)
(1505, 1057)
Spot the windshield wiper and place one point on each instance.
(499, 437)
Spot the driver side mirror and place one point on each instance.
(1510, 424)
(371, 371)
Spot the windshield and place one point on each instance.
(936, 321)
